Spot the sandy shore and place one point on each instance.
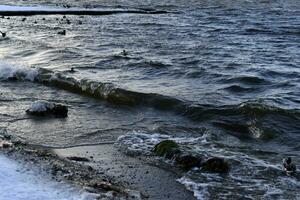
(103, 171)
(135, 172)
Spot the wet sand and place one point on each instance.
(153, 182)
(104, 171)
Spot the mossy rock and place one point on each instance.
(187, 161)
(119, 98)
(216, 165)
(167, 148)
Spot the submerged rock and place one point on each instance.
(63, 32)
(3, 34)
(5, 144)
(289, 167)
(43, 108)
(188, 161)
(72, 70)
(167, 148)
(216, 165)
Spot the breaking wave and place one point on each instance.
(113, 94)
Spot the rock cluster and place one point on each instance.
(186, 160)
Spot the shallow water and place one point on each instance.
(226, 70)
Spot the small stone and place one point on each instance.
(72, 70)
(289, 166)
(63, 32)
(3, 34)
(79, 159)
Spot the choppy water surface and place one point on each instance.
(222, 76)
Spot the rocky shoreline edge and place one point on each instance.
(76, 174)
(102, 171)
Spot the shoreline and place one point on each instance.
(104, 172)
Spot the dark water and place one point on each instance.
(221, 77)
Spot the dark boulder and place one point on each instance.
(216, 165)
(187, 161)
(167, 148)
(44, 108)
(60, 110)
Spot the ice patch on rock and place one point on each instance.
(41, 106)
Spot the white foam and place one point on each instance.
(18, 183)
(199, 190)
(142, 143)
(41, 106)
(8, 71)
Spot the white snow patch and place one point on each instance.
(25, 8)
(18, 183)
